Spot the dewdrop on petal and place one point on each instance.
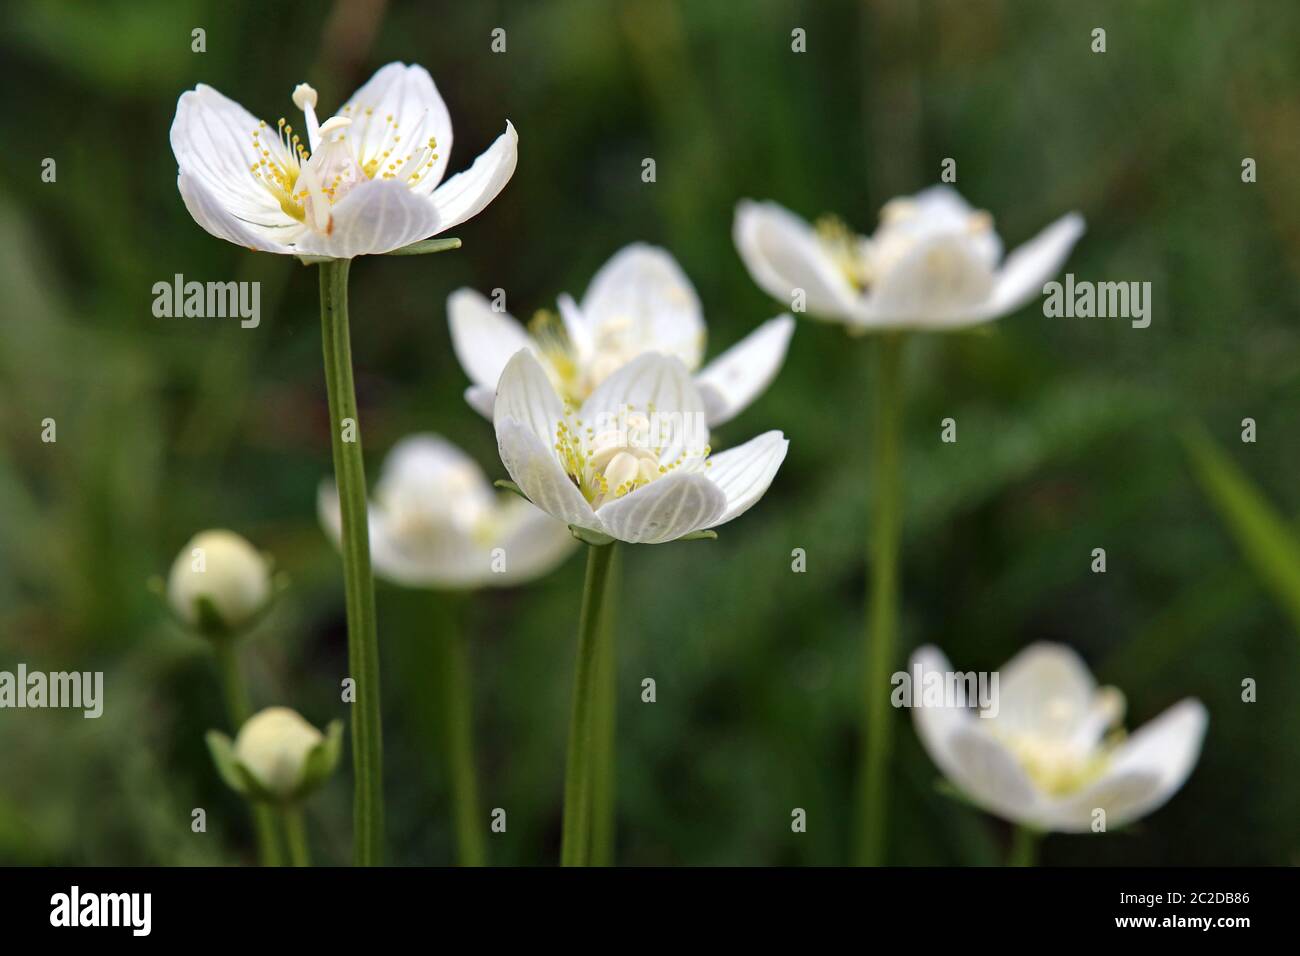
(219, 583)
(277, 756)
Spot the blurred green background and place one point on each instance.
(1068, 428)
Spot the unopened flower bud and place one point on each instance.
(273, 745)
(219, 583)
(277, 756)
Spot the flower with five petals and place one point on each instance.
(1053, 753)
(632, 463)
(639, 301)
(435, 522)
(934, 263)
(366, 181)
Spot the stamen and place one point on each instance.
(846, 249)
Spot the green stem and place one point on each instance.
(576, 839)
(603, 818)
(295, 829)
(882, 630)
(1024, 847)
(239, 709)
(458, 725)
(359, 586)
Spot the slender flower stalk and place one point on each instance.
(1024, 846)
(1046, 750)
(369, 180)
(359, 586)
(603, 819)
(219, 587)
(240, 708)
(578, 784)
(436, 524)
(275, 761)
(882, 627)
(933, 264)
(632, 464)
(458, 730)
(295, 829)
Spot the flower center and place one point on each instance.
(627, 455)
(421, 510)
(388, 151)
(1064, 763)
(847, 250)
(307, 179)
(614, 347)
(279, 164)
(903, 224)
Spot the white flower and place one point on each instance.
(436, 522)
(633, 461)
(277, 755)
(219, 582)
(640, 301)
(363, 182)
(1046, 759)
(933, 263)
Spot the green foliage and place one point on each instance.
(1266, 539)
(168, 426)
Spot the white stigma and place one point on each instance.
(304, 97)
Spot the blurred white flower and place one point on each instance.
(933, 263)
(633, 461)
(1055, 751)
(436, 522)
(219, 583)
(364, 182)
(640, 301)
(277, 755)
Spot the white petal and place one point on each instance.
(1167, 749)
(409, 96)
(736, 377)
(782, 254)
(388, 563)
(483, 338)
(653, 381)
(525, 395)
(535, 469)
(1123, 795)
(212, 139)
(1045, 690)
(467, 193)
(664, 510)
(937, 211)
(534, 543)
(934, 284)
(220, 222)
(936, 725)
(423, 460)
(942, 205)
(373, 218)
(447, 560)
(1031, 265)
(745, 472)
(642, 293)
(991, 776)
(481, 399)
(575, 324)
(526, 414)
